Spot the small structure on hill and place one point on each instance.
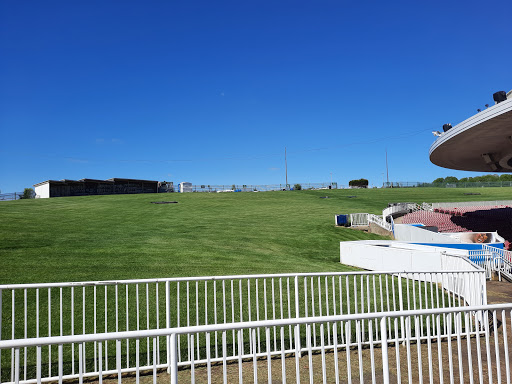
(86, 187)
(185, 187)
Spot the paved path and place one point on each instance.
(499, 292)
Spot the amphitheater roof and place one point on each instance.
(482, 143)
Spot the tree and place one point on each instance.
(361, 183)
(297, 187)
(439, 180)
(450, 179)
(28, 193)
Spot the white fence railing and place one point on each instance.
(474, 293)
(465, 344)
(493, 260)
(471, 204)
(378, 220)
(364, 219)
(60, 309)
(358, 219)
(502, 261)
(427, 207)
(483, 259)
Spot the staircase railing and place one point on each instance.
(380, 222)
(496, 260)
(427, 207)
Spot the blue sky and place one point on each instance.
(212, 92)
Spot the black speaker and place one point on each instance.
(499, 96)
(447, 127)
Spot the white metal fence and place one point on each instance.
(472, 203)
(61, 309)
(467, 344)
(262, 187)
(493, 260)
(364, 219)
(378, 220)
(359, 219)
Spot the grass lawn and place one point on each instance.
(125, 236)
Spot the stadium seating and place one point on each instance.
(467, 219)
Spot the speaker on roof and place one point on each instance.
(499, 96)
(447, 127)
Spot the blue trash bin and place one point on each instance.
(342, 220)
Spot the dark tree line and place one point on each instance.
(476, 179)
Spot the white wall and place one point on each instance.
(406, 232)
(43, 191)
(385, 257)
(393, 256)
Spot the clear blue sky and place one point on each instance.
(212, 92)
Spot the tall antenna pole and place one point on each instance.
(387, 170)
(286, 167)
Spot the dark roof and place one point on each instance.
(121, 179)
(112, 180)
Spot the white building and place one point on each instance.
(185, 187)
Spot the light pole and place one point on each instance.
(286, 169)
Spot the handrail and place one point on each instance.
(380, 222)
(209, 278)
(53, 340)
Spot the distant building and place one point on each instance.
(185, 187)
(165, 186)
(86, 187)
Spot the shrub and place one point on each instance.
(28, 193)
(361, 183)
(297, 187)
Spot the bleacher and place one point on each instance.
(478, 218)
(433, 219)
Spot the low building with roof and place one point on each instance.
(86, 187)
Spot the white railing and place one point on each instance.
(493, 260)
(406, 207)
(472, 203)
(358, 219)
(378, 220)
(60, 309)
(425, 344)
(483, 259)
(499, 261)
(427, 207)
(474, 293)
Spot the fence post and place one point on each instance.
(174, 359)
(297, 315)
(401, 302)
(385, 359)
(168, 321)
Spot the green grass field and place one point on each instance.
(125, 236)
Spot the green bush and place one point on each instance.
(297, 187)
(28, 193)
(361, 183)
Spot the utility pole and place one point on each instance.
(285, 168)
(331, 179)
(387, 170)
